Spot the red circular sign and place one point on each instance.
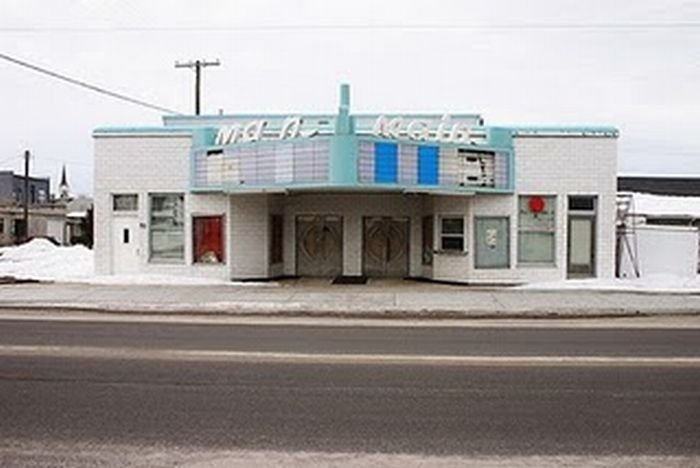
(536, 204)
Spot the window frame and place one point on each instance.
(529, 230)
(222, 236)
(461, 236)
(125, 211)
(165, 260)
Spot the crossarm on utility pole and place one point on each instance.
(197, 66)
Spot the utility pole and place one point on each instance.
(197, 66)
(25, 234)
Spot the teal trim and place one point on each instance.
(474, 146)
(173, 119)
(203, 137)
(578, 129)
(140, 130)
(351, 188)
(342, 160)
(499, 137)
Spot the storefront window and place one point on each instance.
(208, 237)
(167, 227)
(452, 234)
(536, 229)
(276, 239)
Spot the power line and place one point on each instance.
(83, 84)
(364, 27)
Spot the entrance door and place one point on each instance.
(581, 246)
(125, 245)
(385, 247)
(319, 245)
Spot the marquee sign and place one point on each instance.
(255, 130)
(424, 128)
(420, 129)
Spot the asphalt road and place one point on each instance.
(450, 341)
(613, 408)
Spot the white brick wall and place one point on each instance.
(146, 165)
(544, 166)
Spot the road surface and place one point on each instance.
(187, 388)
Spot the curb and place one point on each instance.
(244, 310)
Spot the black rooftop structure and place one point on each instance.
(660, 185)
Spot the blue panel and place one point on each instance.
(428, 165)
(385, 162)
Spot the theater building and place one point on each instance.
(441, 197)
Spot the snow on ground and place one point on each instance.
(655, 283)
(41, 260)
(665, 205)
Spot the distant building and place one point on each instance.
(12, 189)
(660, 185)
(47, 215)
(63, 187)
(658, 233)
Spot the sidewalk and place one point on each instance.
(317, 298)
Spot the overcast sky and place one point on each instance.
(644, 80)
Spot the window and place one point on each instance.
(208, 237)
(452, 234)
(536, 229)
(125, 202)
(491, 242)
(2, 225)
(19, 230)
(427, 251)
(276, 239)
(581, 203)
(167, 229)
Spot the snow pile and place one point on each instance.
(152, 278)
(41, 260)
(663, 205)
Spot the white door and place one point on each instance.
(125, 245)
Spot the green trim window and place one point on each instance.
(167, 227)
(536, 230)
(452, 234)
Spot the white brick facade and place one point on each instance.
(146, 164)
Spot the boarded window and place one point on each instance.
(208, 239)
